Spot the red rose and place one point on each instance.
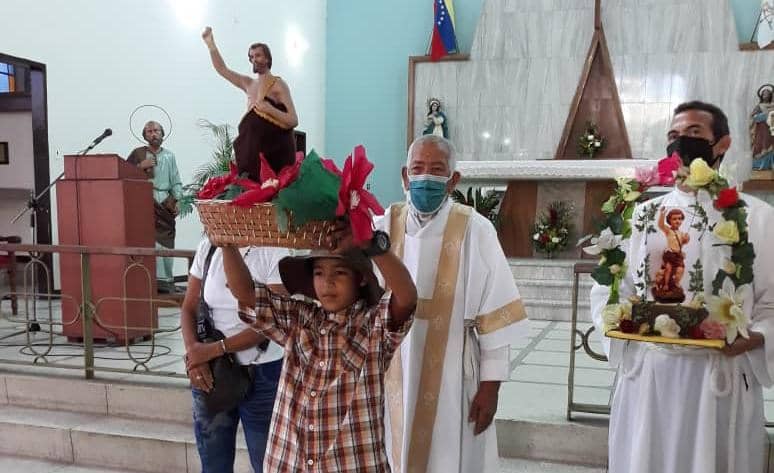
(627, 326)
(696, 332)
(544, 239)
(667, 169)
(727, 198)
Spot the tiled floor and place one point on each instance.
(537, 389)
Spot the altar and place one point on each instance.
(531, 185)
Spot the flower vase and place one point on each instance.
(549, 254)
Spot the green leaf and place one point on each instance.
(602, 275)
(614, 256)
(717, 283)
(615, 222)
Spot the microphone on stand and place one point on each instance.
(97, 140)
(101, 137)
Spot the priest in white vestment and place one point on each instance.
(442, 385)
(685, 409)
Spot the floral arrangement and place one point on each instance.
(552, 229)
(485, 204)
(313, 188)
(591, 141)
(717, 315)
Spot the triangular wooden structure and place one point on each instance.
(596, 100)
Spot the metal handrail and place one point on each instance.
(87, 311)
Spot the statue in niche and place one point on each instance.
(762, 129)
(435, 121)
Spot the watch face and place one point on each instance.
(382, 241)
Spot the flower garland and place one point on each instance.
(551, 232)
(591, 141)
(717, 315)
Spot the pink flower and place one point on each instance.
(667, 169)
(713, 329)
(647, 177)
(354, 200)
(270, 183)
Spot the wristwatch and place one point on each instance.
(380, 244)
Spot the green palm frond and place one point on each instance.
(485, 204)
(222, 155)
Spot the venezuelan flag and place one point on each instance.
(444, 40)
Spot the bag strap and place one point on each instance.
(204, 320)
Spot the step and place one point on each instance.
(507, 465)
(534, 268)
(558, 310)
(552, 289)
(15, 464)
(86, 439)
(566, 442)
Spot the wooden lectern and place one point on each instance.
(105, 201)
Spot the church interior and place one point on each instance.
(549, 105)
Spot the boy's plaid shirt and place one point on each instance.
(329, 412)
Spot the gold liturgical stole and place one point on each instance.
(437, 312)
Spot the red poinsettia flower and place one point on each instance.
(270, 184)
(354, 201)
(667, 169)
(216, 185)
(329, 165)
(727, 198)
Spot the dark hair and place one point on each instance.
(673, 213)
(266, 51)
(719, 119)
(156, 123)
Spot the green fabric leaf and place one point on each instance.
(314, 195)
(231, 192)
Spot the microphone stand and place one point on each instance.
(34, 205)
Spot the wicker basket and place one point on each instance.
(257, 226)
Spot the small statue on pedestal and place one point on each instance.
(435, 121)
(762, 130)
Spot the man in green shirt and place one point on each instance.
(160, 166)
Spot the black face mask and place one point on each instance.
(690, 148)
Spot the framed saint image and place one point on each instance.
(4, 158)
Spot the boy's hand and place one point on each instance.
(340, 239)
(200, 353)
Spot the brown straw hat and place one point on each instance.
(296, 273)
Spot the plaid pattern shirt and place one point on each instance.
(329, 412)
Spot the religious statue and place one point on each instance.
(435, 121)
(762, 129)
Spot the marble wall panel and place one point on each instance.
(658, 77)
(492, 82)
(514, 92)
(663, 53)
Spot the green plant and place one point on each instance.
(222, 155)
(485, 204)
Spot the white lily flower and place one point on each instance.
(726, 308)
(607, 240)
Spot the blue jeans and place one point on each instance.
(216, 435)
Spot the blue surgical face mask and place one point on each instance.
(427, 192)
